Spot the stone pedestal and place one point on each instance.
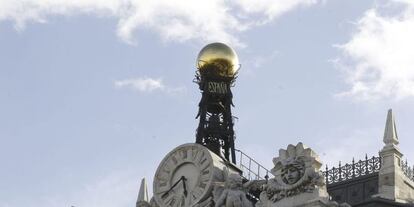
(390, 173)
(393, 184)
(319, 197)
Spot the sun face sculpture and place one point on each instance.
(296, 171)
(293, 172)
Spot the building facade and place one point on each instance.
(212, 173)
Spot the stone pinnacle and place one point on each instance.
(143, 191)
(390, 133)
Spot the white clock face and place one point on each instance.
(184, 176)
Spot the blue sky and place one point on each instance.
(94, 93)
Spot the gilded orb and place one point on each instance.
(218, 59)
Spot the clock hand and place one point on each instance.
(175, 184)
(184, 186)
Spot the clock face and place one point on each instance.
(184, 177)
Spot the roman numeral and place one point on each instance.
(166, 171)
(174, 159)
(205, 172)
(204, 165)
(164, 195)
(184, 154)
(190, 154)
(162, 190)
(172, 202)
(167, 197)
(203, 159)
(200, 156)
(197, 192)
(195, 155)
(202, 185)
(163, 184)
(167, 167)
(182, 202)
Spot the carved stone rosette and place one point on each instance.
(296, 171)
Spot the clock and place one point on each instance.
(186, 176)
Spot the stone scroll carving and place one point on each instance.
(296, 171)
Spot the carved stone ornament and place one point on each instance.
(231, 192)
(296, 171)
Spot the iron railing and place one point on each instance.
(407, 170)
(353, 170)
(252, 170)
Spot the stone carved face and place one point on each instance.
(292, 173)
(296, 171)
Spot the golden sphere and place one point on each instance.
(218, 59)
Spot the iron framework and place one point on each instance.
(215, 129)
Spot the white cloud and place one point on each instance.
(148, 85)
(179, 20)
(271, 8)
(141, 84)
(378, 60)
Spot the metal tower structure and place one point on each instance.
(217, 66)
